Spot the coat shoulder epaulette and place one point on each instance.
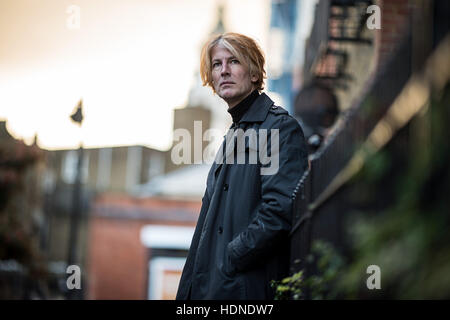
(277, 110)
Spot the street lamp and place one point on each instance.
(75, 213)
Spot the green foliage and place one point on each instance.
(290, 286)
(329, 264)
(408, 236)
(399, 221)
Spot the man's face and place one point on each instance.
(232, 81)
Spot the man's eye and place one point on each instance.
(216, 64)
(234, 61)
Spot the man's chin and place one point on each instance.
(226, 95)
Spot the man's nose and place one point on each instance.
(225, 69)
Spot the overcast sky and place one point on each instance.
(132, 62)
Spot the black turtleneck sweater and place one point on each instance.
(241, 108)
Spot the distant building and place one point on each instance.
(111, 169)
(282, 53)
(137, 246)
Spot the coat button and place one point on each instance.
(225, 187)
(220, 230)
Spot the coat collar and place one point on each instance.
(258, 110)
(256, 113)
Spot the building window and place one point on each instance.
(156, 165)
(69, 168)
(104, 168)
(168, 248)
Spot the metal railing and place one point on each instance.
(318, 204)
(392, 97)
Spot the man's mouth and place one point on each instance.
(226, 82)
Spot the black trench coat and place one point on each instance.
(241, 240)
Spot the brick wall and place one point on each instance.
(117, 260)
(394, 22)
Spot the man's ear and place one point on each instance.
(254, 78)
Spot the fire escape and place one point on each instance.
(336, 24)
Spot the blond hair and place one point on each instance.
(244, 48)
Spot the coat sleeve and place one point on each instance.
(273, 219)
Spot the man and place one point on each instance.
(241, 240)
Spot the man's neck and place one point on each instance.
(234, 103)
(238, 111)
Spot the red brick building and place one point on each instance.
(118, 260)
